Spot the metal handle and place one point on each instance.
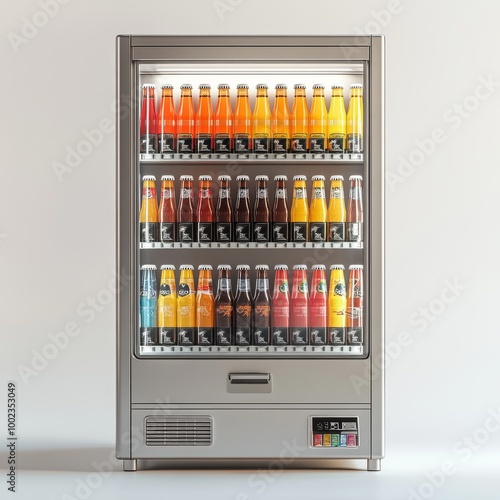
(249, 378)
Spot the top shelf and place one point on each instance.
(352, 158)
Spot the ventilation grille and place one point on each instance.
(178, 431)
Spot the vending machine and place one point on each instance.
(234, 154)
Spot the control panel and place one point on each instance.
(330, 432)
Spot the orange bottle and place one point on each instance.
(223, 121)
(186, 306)
(204, 125)
(261, 121)
(300, 121)
(280, 121)
(242, 126)
(185, 121)
(205, 306)
(318, 121)
(167, 121)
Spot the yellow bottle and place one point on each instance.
(205, 306)
(336, 209)
(337, 121)
(300, 121)
(299, 213)
(354, 128)
(336, 306)
(280, 121)
(317, 210)
(167, 307)
(318, 121)
(148, 217)
(261, 121)
(186, 306)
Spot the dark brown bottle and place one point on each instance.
(205, 209)
(262, 308)
(224, 307)
(261, 211)
(185, 212)
(242, 213)
(243, 308)
(224, 212)
(280, 211)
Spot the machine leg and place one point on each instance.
(130, 465)
(373, 464)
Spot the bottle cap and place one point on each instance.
(356, 86)
(262, 267)
(300, 267)
(280, 178)
(337, 266)
(318, 178)
(281, 267)
(224, 178)
(243, 267)
(337, 87)
(337, 178)
(318, 86)
(205, 267)
(167, 178)
(299, 86)
(356, 178)
(261, 86)
(149, 86)
(261, 178)
(205, 178)
(223, 86)
(242, 178)
(356, 266)
(319, 267)
(242, 86)
(186, 178)
(186, 267)
(299, 178)
(224, 267)
(150, 267)
(281, 86)
(204, 86)
(168, 267)
(186, 86)
(167, 86)
(149, 178)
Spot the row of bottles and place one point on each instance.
(316, 222)
(185, 316)
(300, 131)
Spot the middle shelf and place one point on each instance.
(268, 245)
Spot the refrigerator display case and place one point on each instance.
(305, 406)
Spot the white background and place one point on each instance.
(57, 243)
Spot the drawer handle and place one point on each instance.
(249, 378)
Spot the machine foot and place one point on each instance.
(373, 464)
(130, 465)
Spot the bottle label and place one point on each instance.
(318, 193)
(261, 145)
(300, 193)
(186, 335)
(225, 286)
(339, 289)
(185, 144)
(224, 193)
(186, 193)
(148, 232)
(242, 232)
(261, 335)
(167, 232)
(222, 143)
(244, 286)
(299, 336)
(280, 194)
(355, 193)
(355, 314)
(280, 145)
(205, 232)
(354, 336)
(166, 335)
(336, 231)
(336, 193)
(261, 285)
(224, 336)
(166, 143)
(185, 232)
(148, 336)
(148, 144)
(243, 193)
(262, 193)
(261, 232)
(354, 231)
(205, 193)
(184, 290)
(318, 335)
(224, 232)
(242, 335)
(355, 143)
(280, 335)
(299, 145)
(241, 144)
(317, 143)
(299, 232)
(205, 335)
(203, 143)
(280, 232)
(165, 289)
(167, 193)
(336, 335)
(336, 144)
(283, 288)
(317, 232)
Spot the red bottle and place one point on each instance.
(167, 209)
(205, 209)
(148, 125)
(318, 306)
(354, 310)
(185, 211)
(299, 307)
(354, 219)
(281, 306)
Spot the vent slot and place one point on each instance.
(178, 431)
